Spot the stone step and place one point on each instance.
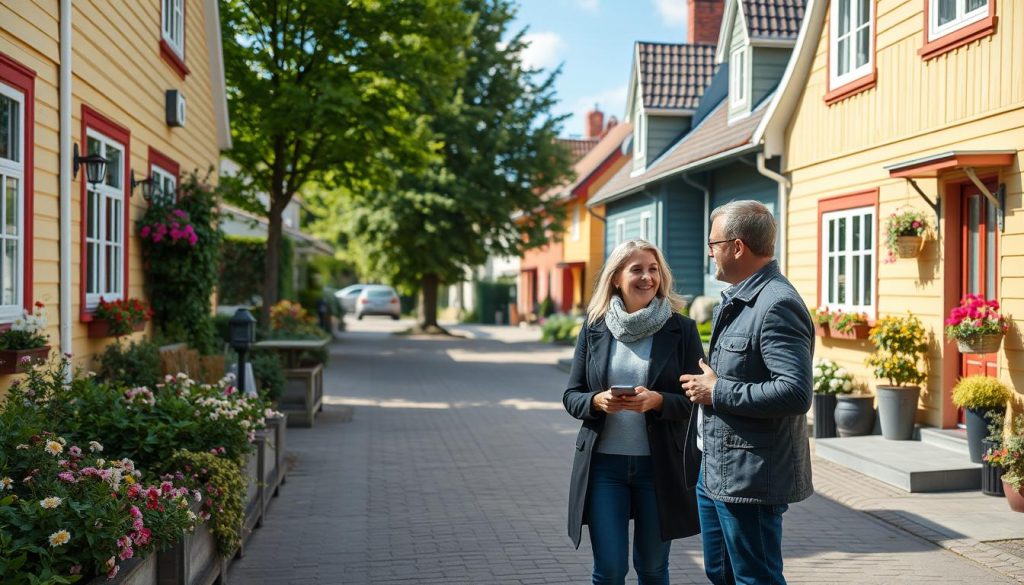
(954, 439)
(914, 466)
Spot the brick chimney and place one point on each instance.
(595, 123)
(705, 18)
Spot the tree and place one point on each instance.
(486, 195)
(322, 90)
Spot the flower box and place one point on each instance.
(274, 462)
(135, 571)
(822, 330)
(192, 561)
(988, 343)
(101, 327)
(11, 359)
(254, 462)
(858, 331)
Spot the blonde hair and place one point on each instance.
(616, 263)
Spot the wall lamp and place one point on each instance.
(95, 166)
(147, 185)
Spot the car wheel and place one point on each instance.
(395, 317)
(359, 317)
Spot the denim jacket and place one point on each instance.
(755, 432)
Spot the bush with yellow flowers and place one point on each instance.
(902, 345)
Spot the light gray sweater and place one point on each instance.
(625, 432)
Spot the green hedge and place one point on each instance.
(242, 266)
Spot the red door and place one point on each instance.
(978, 267)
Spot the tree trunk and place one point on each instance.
(272, 263)
(427, 313)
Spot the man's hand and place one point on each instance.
(643, 401)
(699, 387)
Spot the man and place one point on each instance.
(754, 397)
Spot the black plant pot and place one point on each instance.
(824, 416)
(977, 430)
(855, 414)
(991, 476)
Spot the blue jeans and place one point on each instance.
(619, 483)
(742, 542)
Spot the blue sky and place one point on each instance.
(593, 40)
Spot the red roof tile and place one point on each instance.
(579, 147)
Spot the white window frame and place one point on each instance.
(641, 132)
(172, 24)
(620, 231)
(645, 226)
(836, 80)
(963, 18)
(162, 177)
(574, 229)
(867, 256)
(738, 76)
(11, 168)
(100, 194)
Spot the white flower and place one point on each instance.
(833, 383)
(847, 385)
(50, 502)
(6, 483)
(817, 372)
(54, 448)
(60, 537)
(841, 373)
(95, 446)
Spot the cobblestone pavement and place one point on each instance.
(454, 469)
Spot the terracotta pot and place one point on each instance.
(11, 359)
(983, 344)
(101, 327)
(1014, 497)
(908, 246)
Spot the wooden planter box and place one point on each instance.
(254, 463)
(10, 359)
(101, 328)
(303, 395)
(135, 571)
(822, 330)
(859, 331)
(193, 561)
(273, 460)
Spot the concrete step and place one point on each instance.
(954, 439)
(914, 466)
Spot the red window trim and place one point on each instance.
(959, 37)
(97, 121)
(176, 61)
(23, 79)
(867, 198)
(861, 84)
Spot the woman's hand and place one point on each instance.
(643, 401)
(605, 402)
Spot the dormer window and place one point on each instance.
(738, 63)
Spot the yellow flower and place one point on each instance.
(50, 502)
(60, 537)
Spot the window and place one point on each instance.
(641, 132)
(12, 182)
(738, 77)
(946, 16)
(851, 39)
(173, 18)
(165, 184)
(105, 213)
(620, 231)
(575, 229)
(848, 260)
(645, 226)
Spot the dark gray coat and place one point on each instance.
(675, 350)
(755, 433)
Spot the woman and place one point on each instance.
(629, 460)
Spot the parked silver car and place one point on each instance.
(378, 300)
(348, 295)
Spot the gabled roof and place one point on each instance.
(710, 141)
(591, 163)
(578, 147)
(773, 19)
(217, 82)
(673, 76)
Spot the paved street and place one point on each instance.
(454, 465)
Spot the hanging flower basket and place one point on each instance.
(987, 343)
(908, 246)
(14, 361)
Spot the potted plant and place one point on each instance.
(904, 234)
(977, 395)
(25, 342)
(822, 317)
(117, 318)
(849, 325)
(1011, 460)
(994, 459)
(976, 325)
(829, 380)
(901, 346)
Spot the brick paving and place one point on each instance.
(453, 469)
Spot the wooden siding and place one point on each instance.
(684, 236)
(117, 70)
(662, 132)
(629, 209)
(971, 98)
(768, 67)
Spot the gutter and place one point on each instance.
(784, 186)
(65, 150)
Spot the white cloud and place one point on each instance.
(543, 50)
(589, 5)
(611, 101)
(674, 12)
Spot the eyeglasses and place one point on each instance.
(712, 244)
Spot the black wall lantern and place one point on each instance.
(147, 186)
(242, 329)
(95, 166)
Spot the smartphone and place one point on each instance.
(620, 390)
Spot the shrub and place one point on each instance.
(980, 392)
(829, 378)
(901, 346)
(220, 481)
(546, 308)
(133, 364)
(560, 329)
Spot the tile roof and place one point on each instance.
(578, 147)
(591, 162)
(673, 76)
(712, 137)
(774, 19)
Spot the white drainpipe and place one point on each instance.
(65, 179)
(784, 186)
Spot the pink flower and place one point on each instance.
(144, 232)
(66, 476)
(75, 569)
(113, 572)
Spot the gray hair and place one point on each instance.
(750, 221)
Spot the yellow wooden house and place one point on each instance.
(891, 105)
(140, 83)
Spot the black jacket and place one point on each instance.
(675, 350)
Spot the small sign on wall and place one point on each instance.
(175, 108)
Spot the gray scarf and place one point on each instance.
(630, 327)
